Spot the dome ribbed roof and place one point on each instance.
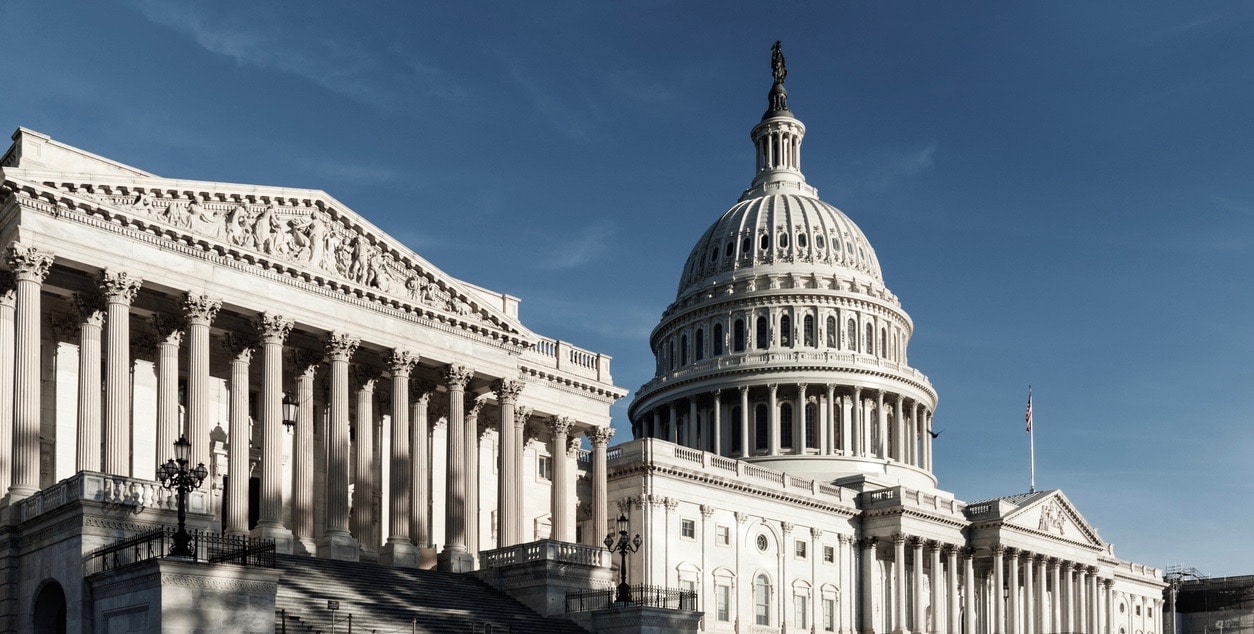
(779, 233)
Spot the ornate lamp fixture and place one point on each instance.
(290, 409)
(175, 476)
(624, 546)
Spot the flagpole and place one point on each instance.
(1031, 446)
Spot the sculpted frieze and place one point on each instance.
(303, 235)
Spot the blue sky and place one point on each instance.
(1060, 193)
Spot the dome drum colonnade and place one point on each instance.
(783, 340)
(82, 299)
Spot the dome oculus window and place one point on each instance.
(762, 543)
(746, 246)
(783, 241)
(714, 254)
(801, 240)
(765, 242)
(819, 242)
(730, 249)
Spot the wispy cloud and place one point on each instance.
(902, 165)
(579, 247)
(549, 104)
(339, 65)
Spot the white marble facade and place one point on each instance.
(782, 466)
(137, 308)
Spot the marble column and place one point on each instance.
(937, 581)
(968, 591)
(8, 310)
(799, 422)
(867, 589)
(399, 550)
(474, 405)
(240, 349)
(1042, 584)
(920, 617)
(672, 428)
(899, 584)
(881, 417)
(169, 338)
(772, 405)
(30, 267)
(273, 330)
(1015, 605)
(1068, 597)
(363, 522)
(523, 527)
(560, 497)
(925, 438)
(88, 453)
(455, 557)
(1108, 602)
(305, 365)
(999, 589)
(690, 427)
(119, 290)
(847, 425)
(508, 505)
(199, 311)
(420, 478)
(600, 439)
(829, 422)
(716, 425)
(901, 431)
(746, 442)
(1030, 608)
(859, 438)
(336, 541)
(953, 616)
(1054, 624)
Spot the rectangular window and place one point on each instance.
(688, 529)
(722, 536)
(829, 554)
(544, 467)
(722, 603)
(801, 549)
(802, 617)
(829, 615)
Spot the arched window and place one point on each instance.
(870, 339)
(763, 335)
(670, 355)
(883, 343)
(736, 440)
(683, 350)
(765, 242)
(807, 330)
(731, 248)
(738, 336)
(785, 425)
(818, 241)
(783, 240)
(718, 339)
(698, 352)
(762, 600)
(851, 335)
(761, 425)
(785, 331)
(810, 442)
(832, 334)
(746, 247)
(801, 240)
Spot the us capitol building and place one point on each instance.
(361, 416)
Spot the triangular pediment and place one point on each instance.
(306, 232)
(1051, 513)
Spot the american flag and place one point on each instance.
(1027, 416)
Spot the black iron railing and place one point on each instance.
(206, 547)
(648, 596)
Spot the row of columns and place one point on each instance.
(853, 422)
(1079, 600)
(103, 443)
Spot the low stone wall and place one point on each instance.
(169, 595)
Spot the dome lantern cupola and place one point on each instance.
(778, 141)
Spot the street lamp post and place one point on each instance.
(624, 546)
(175, 476)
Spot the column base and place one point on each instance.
(282, 537)
(339, 546)
(455, 561)
(399, 553)
(427, 558)
(304, 546)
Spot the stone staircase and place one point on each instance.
(383, 599)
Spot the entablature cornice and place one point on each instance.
(605, 393)
(742, 487)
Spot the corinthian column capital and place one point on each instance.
(521, 414)
(420, 391)
(340, 346)
(600, 436)
(561, 424)
(28, 263)
(401, 362)
(457, 376)
(119, 287)
(169, 328)
(507, 390)
(273, 328)
(240, 347)
(200, 309)
(91, 308)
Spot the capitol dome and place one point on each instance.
(783, 346)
